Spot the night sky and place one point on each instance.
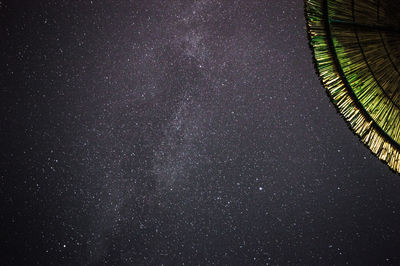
(175, 132)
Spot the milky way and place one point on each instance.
(170, 132)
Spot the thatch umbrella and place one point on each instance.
(356, 47)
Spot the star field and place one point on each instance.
(179, 132)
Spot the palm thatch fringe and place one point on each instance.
(372, 134)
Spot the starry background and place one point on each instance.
(156, 132)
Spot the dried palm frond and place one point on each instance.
(356, 48)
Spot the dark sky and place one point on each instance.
(157, 132)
